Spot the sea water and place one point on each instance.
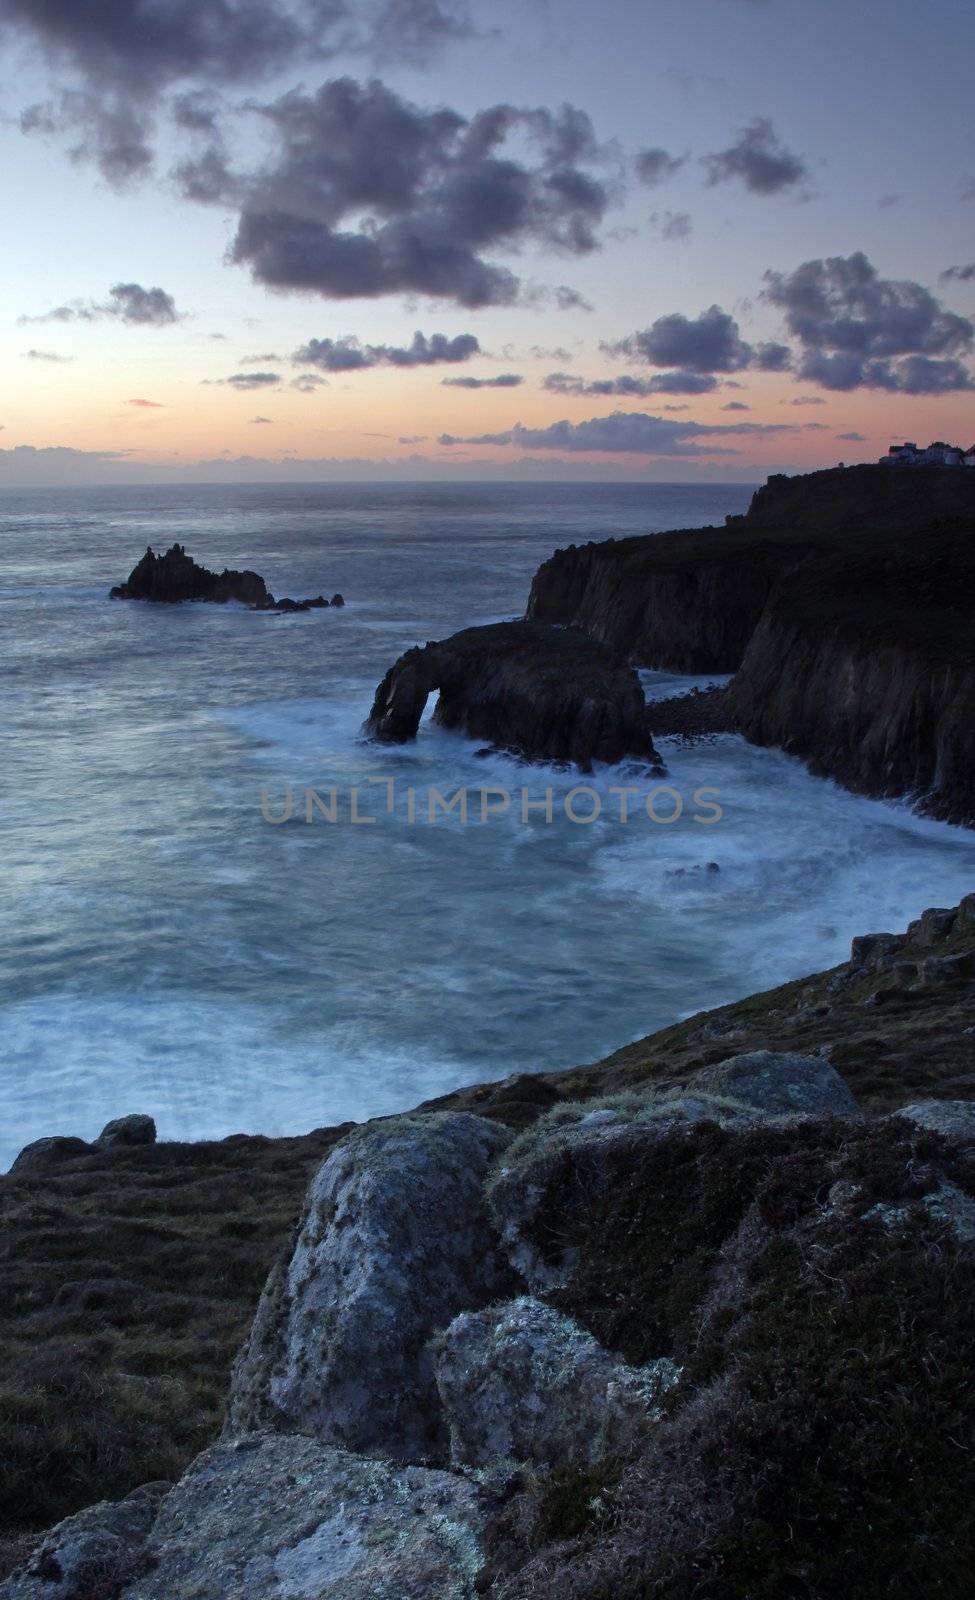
(166, 948)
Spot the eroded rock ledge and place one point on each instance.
(547, 693)
(175, 576)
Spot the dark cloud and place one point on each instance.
(678, 382)
(248, 380)
(671, 225)
(885, 201)
(772, 357)
(655, 166)
(759, 160)
(46, 355)
(858, 330)
(128, 302)
(958, 274)
(147, 405)
(558, 352)
(413, 438)
(368, 194)
(308, 382)
(853, 437)
(112, 63)
(145, 307)
(504, 380)
(623, 432)
(259, 420)
(736, 405)
(804, 400)
(708, 343)
(349, 355)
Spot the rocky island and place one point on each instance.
(842, 601)
(692, 1321)
(175, 577)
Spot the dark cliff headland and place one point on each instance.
(843, 602)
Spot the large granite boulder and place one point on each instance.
(953, 1118)
(543, 692)
(522, 1383)
(395, 1240)
(124, 1132)
(92, 1554)
(284, 1518)
(45, 1155)
(779, 1083)
(585, 1139)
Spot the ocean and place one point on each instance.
(165, 948)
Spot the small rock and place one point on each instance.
(285, 1518)
(520, 1382)
(395, 1241)
(91, 1554)
(337, 600)
(45, 1154)
(131, 1130)
(779, 1084)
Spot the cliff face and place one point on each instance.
(863, 663)
(673, 600)
(845, 603)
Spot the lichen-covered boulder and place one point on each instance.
(520, 1382)
(779, 1084)
(584, 1136)
(954, 1118)
(285, 1518)
(395, 1240)
(132, 1130)
(45, 1155)
(91, 1554)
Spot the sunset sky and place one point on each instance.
(660, 239)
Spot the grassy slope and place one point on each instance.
(128, 1278)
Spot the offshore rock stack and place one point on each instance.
(175, 576)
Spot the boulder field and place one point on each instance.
(708, 1335)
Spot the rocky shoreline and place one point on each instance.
(631, 1328)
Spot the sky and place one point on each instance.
(682, 240)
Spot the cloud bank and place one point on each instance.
(858, 330)
(111, 64)
(128, 302)
(622, 432)
(367, 194)
(708, 343)
(679, 382)
(349, 355)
